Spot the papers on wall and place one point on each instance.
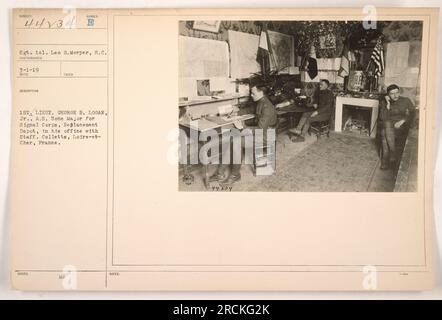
(187, 87)
(399, 68)
(203, 58)
(321, 64)
(326, 75)
(293, 70)
(396, 62)
(243, 89)
(396, 57)
(414, 57)
(329, 63)
(243, 50)
(218, 84)
(230, 85)
(203, 87)
(331, 76)
(327, 69)
(412, 78)
(408, 78)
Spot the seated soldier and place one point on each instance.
(324, 107)
(395, 112)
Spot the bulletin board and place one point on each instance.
(243, 51)
(203, 58)
(400, 66)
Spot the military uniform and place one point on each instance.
(401, 109)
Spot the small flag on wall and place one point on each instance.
(312, 64)
(345, 64)
(347, 57)
(377, 58)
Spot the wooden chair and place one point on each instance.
(322, 128)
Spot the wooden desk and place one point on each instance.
(210, 123)
(294, 108)
(289, 112)
(233, 97)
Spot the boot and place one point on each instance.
(231, 180)
(218, 177)
(384, 164)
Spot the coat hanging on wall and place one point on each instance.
(312, 64)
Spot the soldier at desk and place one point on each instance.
(323, 107)
(265, 118)
(395, 115)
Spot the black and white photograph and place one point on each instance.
(305, 161)
(306, 106)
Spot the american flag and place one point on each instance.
(377, 57)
